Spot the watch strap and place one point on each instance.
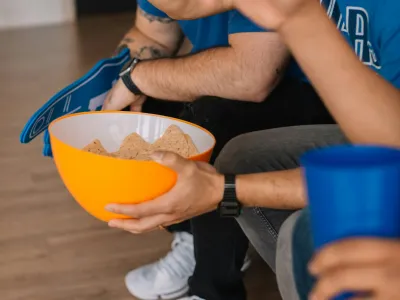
(130, 85)
(230, 206)
(127, 78)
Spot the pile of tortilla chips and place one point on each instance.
(135, 147)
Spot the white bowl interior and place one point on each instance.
(112, 128)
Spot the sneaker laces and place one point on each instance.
(180, 260)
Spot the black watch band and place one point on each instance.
(230, 206)
(130, 85)
(127, 79)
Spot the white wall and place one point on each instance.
(26, 13)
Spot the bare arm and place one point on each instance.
(152, 37)
(278, 190)
(247, 70)
(365, 105)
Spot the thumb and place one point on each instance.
(136, 107)
(115, 104)
(170, 160)
(205, 167)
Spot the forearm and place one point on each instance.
(277, 190)
(217, 72)
(142, 46)
(366, 106)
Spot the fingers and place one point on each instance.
(340, 280)
(146, 209)
(106, 103)
(165, 204)
(136, 107)
(119, 97)
(351, 252)
(205, 167)
(142, 225)
(173, 161)
(113, 104)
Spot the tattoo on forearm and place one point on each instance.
(127, 40)
(149, 52)
(153, 52)
(123, 45)
(120, 48)
(152, 18)
(145, 52)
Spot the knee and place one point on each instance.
(274, 149)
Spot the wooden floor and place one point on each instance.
(50, 249)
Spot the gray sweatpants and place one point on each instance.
(266, 151)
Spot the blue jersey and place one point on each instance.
(209, 32)
(214, 31)
(372, 28)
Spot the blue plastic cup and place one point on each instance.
(353, 191)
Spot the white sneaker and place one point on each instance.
(246, 263)
(192, 298)
(167, 278)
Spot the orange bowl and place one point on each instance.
(95, 180)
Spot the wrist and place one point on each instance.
(306, 11)
(240, 189)
(218, 188)
(137, 78)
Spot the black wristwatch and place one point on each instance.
(125, 75)
(230, 207)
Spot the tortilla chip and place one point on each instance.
(132, 146)
(96, 147)
(144, 157)
(126, 153)
(135, 147)
(173, 140)
(192, 147)
(135, 141)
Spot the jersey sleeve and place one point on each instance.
(389, 53)
(390, 62)
(239, 24)
(151, 9)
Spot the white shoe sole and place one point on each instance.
(167, 296)
(246, 265)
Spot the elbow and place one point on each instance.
(260, 95)
(256, 88)
(254, 92)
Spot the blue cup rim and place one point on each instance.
(352, 156)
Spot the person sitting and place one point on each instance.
(234, 81)
(270, 183)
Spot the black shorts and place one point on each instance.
(291, 103)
